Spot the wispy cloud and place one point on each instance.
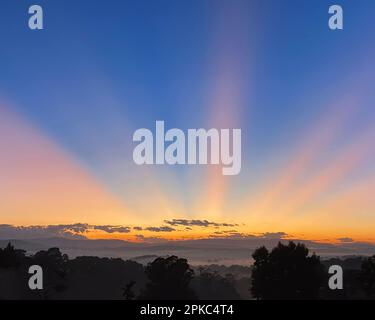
(345, 240)
(72, 231)
(274, 235)
(232, 234)
(197, 223)
(112, 229)
(160, 229)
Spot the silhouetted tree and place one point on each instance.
(54, 265)
(367, 276)
(10, 257)
(169, 279)
(287, 272)
(103, 278)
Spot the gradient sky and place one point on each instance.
(72, 95)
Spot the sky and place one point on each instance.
(72, 94)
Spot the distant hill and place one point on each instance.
(199, 252)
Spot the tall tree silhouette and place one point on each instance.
(368, 276)
(54, 265)
(169, 279)
(287, 272)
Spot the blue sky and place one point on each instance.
(101, 69)
(158, 59)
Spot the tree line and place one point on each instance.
(287, 271)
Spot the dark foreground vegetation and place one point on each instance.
(285, 272)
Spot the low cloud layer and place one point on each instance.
(81, 230)
(221, 246)
(70, 231)
(220, 237)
